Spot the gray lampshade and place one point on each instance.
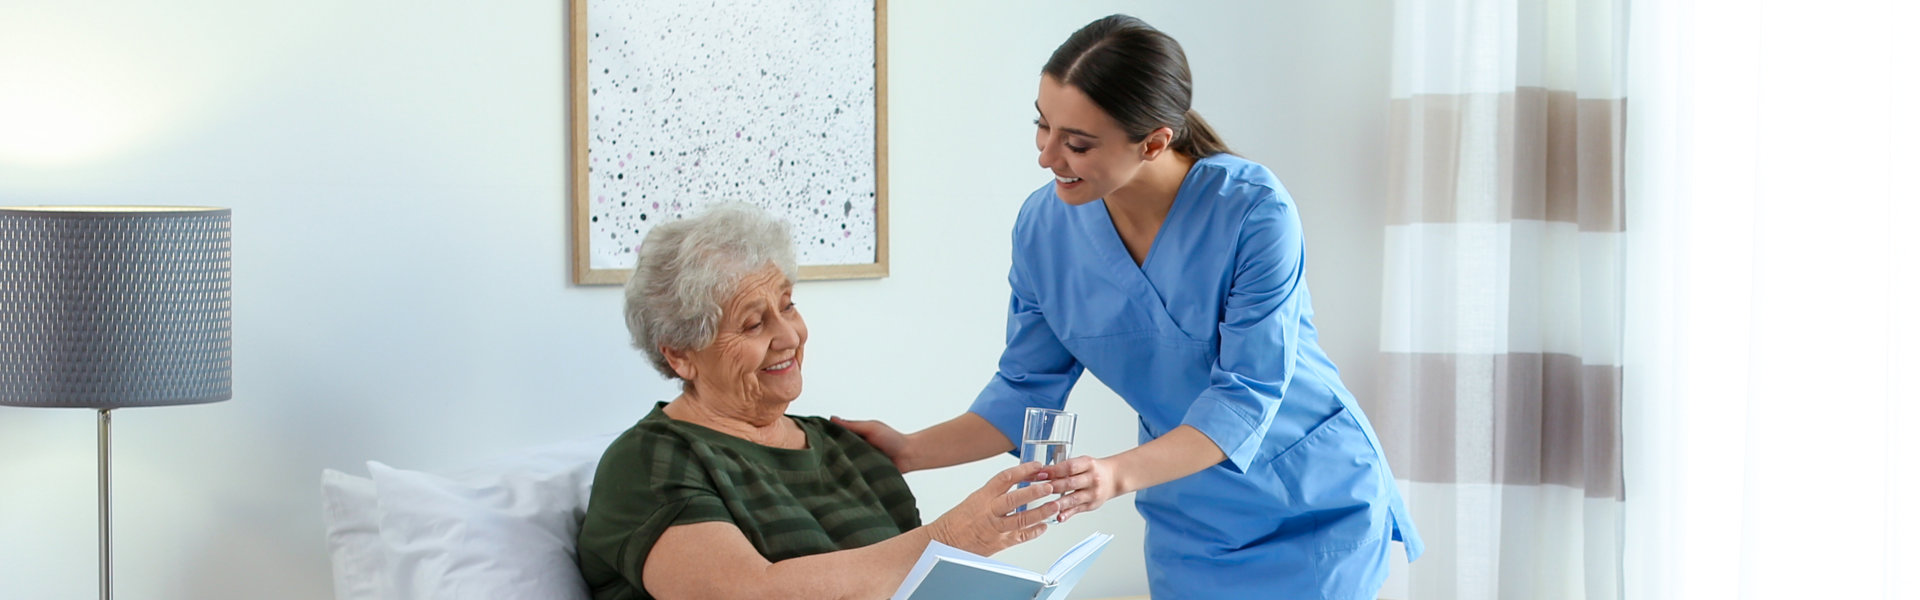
(115, 306)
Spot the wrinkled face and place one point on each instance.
(755, 356)
(1085, 148)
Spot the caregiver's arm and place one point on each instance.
(963, 439)
(1091, 482)
(714, 560)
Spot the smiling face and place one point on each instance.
(756, 353)
(1089, 154)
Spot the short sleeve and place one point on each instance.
(647, 482)
(632, 555)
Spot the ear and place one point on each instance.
(1157, 143)
(681, 361)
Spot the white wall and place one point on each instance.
(398, 178)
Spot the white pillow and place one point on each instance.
(505, 529)
(353, 536)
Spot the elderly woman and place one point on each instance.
(719, 493)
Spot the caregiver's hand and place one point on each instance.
(1088, 483)
(986, 523)
(883, 437)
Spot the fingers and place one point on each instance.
(1075, 483)
(1015, 474)
(1015, 499)
(859, 427)
(1029, 534)
(1034, 517)
(1069, 467)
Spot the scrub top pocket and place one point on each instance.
(1333, 476)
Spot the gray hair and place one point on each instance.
(687, 268)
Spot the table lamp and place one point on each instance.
(107, 307)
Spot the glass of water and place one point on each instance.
(1047, 439)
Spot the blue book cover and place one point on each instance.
(947, 573)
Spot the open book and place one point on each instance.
(948, 573)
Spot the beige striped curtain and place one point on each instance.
(1501, 320)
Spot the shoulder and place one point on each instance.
(653, 449)
(1243, 186)
(1244, 201)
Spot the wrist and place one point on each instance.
(908, 460)
(1121, 473)
(937, 531)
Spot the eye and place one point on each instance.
(752, 326)
(1078, 149)
(1037, 123)
(790, 306)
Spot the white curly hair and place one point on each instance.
(687, 269)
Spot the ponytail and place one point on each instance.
(1197, 139)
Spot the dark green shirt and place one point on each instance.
(836, 494)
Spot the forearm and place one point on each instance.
(959, 440)
(1181, 452)
(865, 573)
(714, 561)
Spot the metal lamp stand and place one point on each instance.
(106, 505)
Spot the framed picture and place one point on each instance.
(778, 103)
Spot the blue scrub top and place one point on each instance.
(1215, 330)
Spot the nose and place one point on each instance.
(788, 332)
(1049, 151)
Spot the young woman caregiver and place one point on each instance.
(1175, 272)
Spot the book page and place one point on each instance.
(1079, 553)
(1073, 565)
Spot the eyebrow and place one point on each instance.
(1043, 115)
(753, 307)
(757, 305)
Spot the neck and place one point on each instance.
(767, 426)
(1150, 195)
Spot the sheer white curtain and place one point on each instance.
(1772, 359)
(1500, 325)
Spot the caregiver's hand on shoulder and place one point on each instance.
(883, 437)
(1087, 483)
(986, 523)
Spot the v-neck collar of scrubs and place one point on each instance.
(1100, 230)
(1115, 246)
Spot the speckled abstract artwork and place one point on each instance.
(765, 102)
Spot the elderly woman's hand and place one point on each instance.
(986, 523)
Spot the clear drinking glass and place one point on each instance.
(1047, 439)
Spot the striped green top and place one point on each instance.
(836, 494)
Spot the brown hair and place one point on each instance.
(1139, 76)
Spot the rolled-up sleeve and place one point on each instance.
(1035, 369)
(1259, 330)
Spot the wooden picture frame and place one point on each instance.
(714, 97)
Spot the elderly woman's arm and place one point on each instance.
(715, 561)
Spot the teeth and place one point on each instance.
(1065, 179)
(780, 365)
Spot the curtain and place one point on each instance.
(1501, 322)
(1773, 353)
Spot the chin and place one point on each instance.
(1076, 199)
